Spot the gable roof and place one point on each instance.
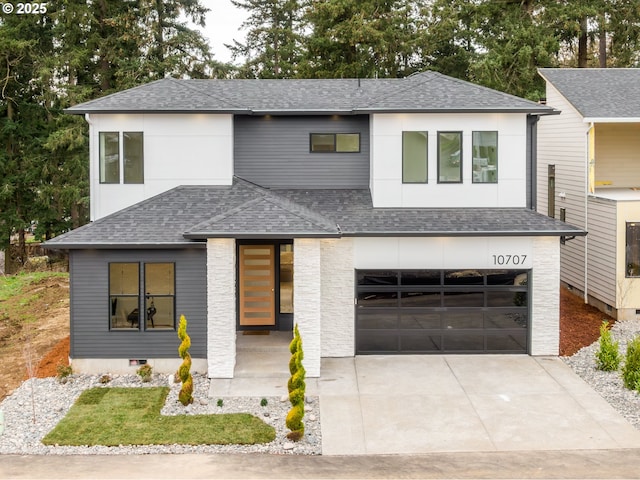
(187, 215)
(422, 92)
(598, 93)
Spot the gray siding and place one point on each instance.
(90, 334)
(601, 266)
(274, 152)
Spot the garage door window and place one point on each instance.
(437, 311)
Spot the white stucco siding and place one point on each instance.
(307, 300)
(189, 149)
(544, 320)
(221, 307)
(386, 161)
(337, 288)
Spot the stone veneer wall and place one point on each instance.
(221, 307)
(307, 300)
(337, 288)
(545, 297)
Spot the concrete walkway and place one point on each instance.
(372, 405)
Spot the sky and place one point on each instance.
(222, 26)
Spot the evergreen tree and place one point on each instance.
(272, 48)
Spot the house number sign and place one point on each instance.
(509, 259)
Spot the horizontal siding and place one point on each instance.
(601, 268)
(274, 152)
(618, 154)
(90, 334)
(562, 142)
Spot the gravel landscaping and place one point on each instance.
(53, 400)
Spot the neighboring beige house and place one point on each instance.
(589, 174)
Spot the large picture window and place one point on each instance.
(414, 157)
(126, 301)
(449, 157)
(335, 142)
(132, 157)
(633, 250)
(485, 157)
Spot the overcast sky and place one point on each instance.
(223, 23)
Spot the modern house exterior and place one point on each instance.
(589, 175)
(386, 216)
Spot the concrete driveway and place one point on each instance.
(455, 403)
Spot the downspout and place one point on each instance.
(586, 218)
(92, 189)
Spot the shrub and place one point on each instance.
(263, 402)
(63, 373)
(220, 402)
(631, 368)
(184, 371)
(105, 379)
(297, 388)
(608, 355)
(145, 372)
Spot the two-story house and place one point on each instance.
(589, 175)
(381, 216)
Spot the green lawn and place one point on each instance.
(131, 416)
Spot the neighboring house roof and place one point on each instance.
(598, 93)
(188, 214)
(422, 92)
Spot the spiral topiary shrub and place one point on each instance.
(184, 371)
(296, 387)
(608, 355)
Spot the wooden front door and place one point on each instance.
(257, 285)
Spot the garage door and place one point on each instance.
(442, 311)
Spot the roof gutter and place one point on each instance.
(592, 120)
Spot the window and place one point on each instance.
(335, 142)
(132, 155)
(125, 301)
(414, 157)
(485, 157)
(109, 157)
(449, 157)
(633, 250)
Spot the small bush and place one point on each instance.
(631, 368)
(145, 372)
(263, 402)
(63, 373)
(105, 379)
(608, 356)
(220, 402)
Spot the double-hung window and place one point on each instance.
(121, 152)
(146, 306)
(449, 157)
(334, 143)
(485, 157)
(414, 157)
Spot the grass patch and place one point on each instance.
(13, 285)
(131, 416)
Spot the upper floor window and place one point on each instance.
(485, 157)
(335, 142)
(132, 155)
(449, 157)
(414, 157)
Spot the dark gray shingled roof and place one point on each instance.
(423, 92)
(598, 92)
(187, 215)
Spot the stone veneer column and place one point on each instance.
(338, 290)
(307, 300)
(545, 297)
(221, 303)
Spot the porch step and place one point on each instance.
(274, 342)
(263, 356)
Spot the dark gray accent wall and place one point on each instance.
(532, 160)
(90, 334)
(273, 151)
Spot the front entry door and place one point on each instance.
(257, 285)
